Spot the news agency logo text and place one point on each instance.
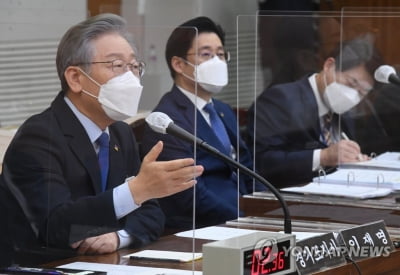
(268, 249)
(363, 251)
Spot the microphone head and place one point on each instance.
(383, 72)
(158, 122)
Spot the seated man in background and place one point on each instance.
(295, 126)
(75, 168)
(216, 196)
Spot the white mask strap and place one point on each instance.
(194, 72)
(89, 94)
(88, 76)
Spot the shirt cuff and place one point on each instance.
(316, 164)
(124, 239)
(123, 200)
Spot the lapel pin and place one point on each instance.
(116, 148)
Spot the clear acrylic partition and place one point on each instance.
(247, 76)
(283, 128)
(276, 68)
(29, 83)
(372, 123)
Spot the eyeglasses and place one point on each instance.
(205, 55)
(119, 66)
(362, 86)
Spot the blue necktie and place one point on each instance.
(103, 142)
(218, 127)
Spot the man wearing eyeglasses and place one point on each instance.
(303, 126)
(75, 166)
(197, 60)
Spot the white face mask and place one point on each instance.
(212, 74)
(340, 98)
(119, 97)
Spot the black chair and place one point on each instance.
(19, 242)
(6, 243)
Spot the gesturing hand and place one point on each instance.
(157, 179)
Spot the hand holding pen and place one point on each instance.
(343, 151)
(360, 156)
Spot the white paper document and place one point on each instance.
(163, 255)
(384, 161)
(303, 235)
(363, 177)
(215, 233)
(113, 269)
(349, 191)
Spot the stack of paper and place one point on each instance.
(330, 189)
(384, 161)
(373, 178)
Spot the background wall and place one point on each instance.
(29, 35)
(30, 31)
(160, 17)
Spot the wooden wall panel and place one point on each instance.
(383, 27)
(95, 7)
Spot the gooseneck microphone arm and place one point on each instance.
(161, 123)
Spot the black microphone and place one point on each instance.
(387, 74)
(163, 124)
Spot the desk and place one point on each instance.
(264, 213)
(324, 208)
(381, 265)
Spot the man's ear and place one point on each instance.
(329, 64)
(73, 77)
(177, 64)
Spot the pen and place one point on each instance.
(344, 136)
(155, 259)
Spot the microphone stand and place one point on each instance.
(161, 123)
(213, 151)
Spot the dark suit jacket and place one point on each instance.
(52, 164)
(287, 132)
(216, 189)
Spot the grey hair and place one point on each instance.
(76, 45)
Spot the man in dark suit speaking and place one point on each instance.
(197, 60)
(295, 126)
(75, 168)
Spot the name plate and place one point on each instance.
(366, 241)
(317, 253)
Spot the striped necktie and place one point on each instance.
(327, 129)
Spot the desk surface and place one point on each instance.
(264, 212)
(380, 265)
(324, 208)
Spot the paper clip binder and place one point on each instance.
(385, 161)
(351, 173)
(322, 172)
(363, 177)
(378, 177)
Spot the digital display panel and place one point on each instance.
(269, 259)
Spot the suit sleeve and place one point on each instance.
(146, 223)
(281, 155)
(34, 165)
(59, 194)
